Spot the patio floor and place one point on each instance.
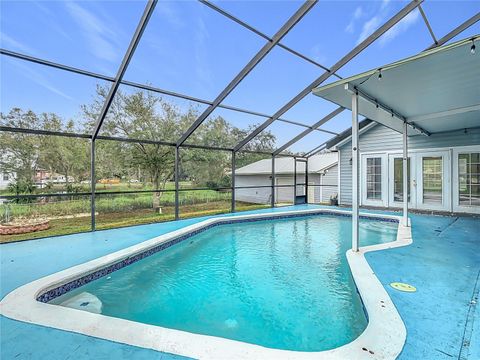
(443, 263)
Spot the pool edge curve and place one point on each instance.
(383, 337)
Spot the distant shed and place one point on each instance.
(322, 179)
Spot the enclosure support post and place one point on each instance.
(177, 155)
(92, 182)
(272, 198)
(405, 174)
(233, 180)
(294, 180)
(355, 152)
(306, 181)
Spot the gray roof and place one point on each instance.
(346, 134)
(285, 165)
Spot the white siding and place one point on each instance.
(323, 193)
(330, 184)
(381, 139)
(5, 182)
(253, 195)
(285, 194)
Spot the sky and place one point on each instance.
(191, 49)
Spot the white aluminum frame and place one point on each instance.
(405, 170)
(452, 175)
(383, 202)
(455, 175)
(391, 189)
(446, 180)
(355, 172)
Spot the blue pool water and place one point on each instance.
(283, 284)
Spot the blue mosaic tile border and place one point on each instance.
(74, 284)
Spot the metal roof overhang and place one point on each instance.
(435, 91)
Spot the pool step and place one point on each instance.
(84, 301)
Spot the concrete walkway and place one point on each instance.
(443, 263)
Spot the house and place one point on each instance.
(426, 114)
(253, 181)
(444, 169)
(6, 179)
(44, 177)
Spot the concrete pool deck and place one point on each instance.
(441, 319)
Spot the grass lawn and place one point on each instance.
(71, 213)
(59, 188)
(126, 217)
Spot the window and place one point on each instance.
(5, 177)
(374, 178)
(469, 179)
(432, 180)
(398, 179)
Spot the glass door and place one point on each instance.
(299, 181)
(466, 181)
(374, 180)
(433, 181)
(396, 181)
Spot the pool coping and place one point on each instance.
(383, 337)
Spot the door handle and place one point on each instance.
(415, 183)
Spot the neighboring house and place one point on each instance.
(444, 169)
(44, 177)
(6, 179)
(322, 179)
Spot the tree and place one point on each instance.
(24, 154)
(19, 151)
(63, 155)
(146, 116)
(143, 116)
(140, 115)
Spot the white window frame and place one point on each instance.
(383, 202)
(446, 180)
(413, 180)
(455, 179)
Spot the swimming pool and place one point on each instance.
(282, 283)
(250, 286)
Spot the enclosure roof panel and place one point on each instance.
(436, 90)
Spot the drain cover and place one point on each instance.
(403, 287)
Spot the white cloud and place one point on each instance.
(379, 18)
(170, 14)
(9, 42)
(101, 38)
(401, 27)
(369, 27)
(358, 13)
(39, 79)
(50, 19)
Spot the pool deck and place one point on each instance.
(442, 317)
